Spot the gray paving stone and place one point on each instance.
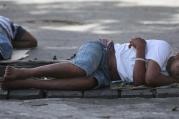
(103, 93)
(25, 94)
(63, 94)
(147, 93)
(167, 92)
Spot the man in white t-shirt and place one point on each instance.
(140, 62)
(13, 36)
(145, 60)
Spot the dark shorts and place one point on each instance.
(91, 57)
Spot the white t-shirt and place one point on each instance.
(157, 50)
(9, 27)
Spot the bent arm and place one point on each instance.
(24, 39)
(139, 67)
(154, 78)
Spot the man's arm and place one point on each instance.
(139, 67)
(154, 78)
(24, 39)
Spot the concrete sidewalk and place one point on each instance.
(107, 93)
(138, 108)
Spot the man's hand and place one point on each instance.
(137, 43)
(105, 42)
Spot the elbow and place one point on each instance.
(30, 40)
(32, 43)
(150, 81)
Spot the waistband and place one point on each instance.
(111, 59)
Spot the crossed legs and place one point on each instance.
(68, 77)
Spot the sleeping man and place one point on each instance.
(97, 63)
(13, 36)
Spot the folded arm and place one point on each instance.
(150, 76)
(153, 76)
(139, 66)
(24, 39)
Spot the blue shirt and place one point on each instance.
(9, 27)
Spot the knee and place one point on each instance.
(90, 83)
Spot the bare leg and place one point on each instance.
(56, 70)
(82, 83)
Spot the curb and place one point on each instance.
(100, 93)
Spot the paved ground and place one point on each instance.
(61, 26)
(90, 109)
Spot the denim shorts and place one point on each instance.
(91, 57)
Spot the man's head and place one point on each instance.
(173, 66)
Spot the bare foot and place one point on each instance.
(12, 73)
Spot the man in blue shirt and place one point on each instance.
(13, 36)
